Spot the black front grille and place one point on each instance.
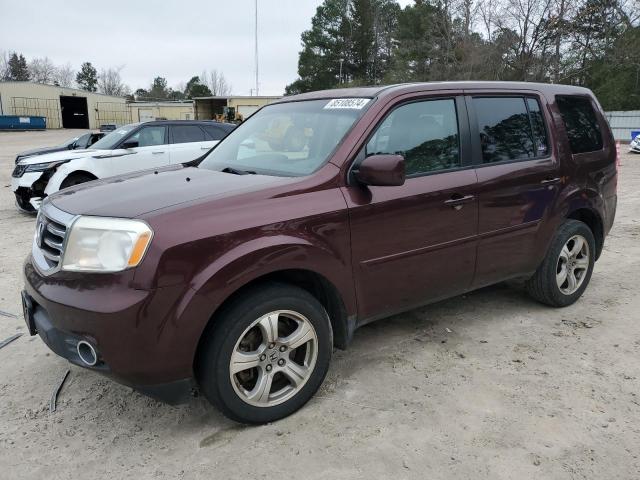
(18, 171)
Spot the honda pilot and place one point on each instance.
(237, 274)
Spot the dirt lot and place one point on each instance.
(488, 385)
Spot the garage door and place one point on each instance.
(246, 110)
(146, 115)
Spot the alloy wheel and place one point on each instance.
(273, 358)
(573, 264)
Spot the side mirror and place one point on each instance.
(381, 171)
(130, 144)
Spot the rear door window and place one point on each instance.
(505, 130)
(187, 134)
(214, 133)
(581, 123)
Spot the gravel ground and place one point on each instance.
(487, 385)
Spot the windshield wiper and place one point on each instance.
(236, 171)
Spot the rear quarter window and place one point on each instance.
(581, 123)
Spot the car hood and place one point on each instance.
(42, 151)
(135, 194)
(63, 155)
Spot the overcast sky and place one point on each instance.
(172, 39)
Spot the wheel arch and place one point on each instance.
(78, 173)
(593, 220)
(63, 172)
(313, 282)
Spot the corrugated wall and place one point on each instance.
(623, 123)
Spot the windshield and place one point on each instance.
(110, 140)
(286, 139)
(69, 142)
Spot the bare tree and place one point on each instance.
(65, 76)
(42, 70)
(110, 82)
(4, 66)
(216, 82)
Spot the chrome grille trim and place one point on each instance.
(52, 244)
(49, 240)
(56, 231)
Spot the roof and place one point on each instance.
(161, 103)
(371, 92)
(247, 97)
(46, 85)
(186, 122)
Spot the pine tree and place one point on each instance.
(18, 69)
(350, 42)
(87, 77)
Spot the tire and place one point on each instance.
(243, 326)
(76, 179)
(547, 285)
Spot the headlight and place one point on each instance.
(101, 244)
(41, 167)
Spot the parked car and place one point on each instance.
(76, 143)
(108, 127)
(137, 146)
(634, 146)
(240, 275)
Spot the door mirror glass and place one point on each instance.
(130, 144)
(381, 171)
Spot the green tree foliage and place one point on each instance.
(582, 42)
(350, 41)
(159, 89)
(18, 69)
(87, 77)
(195, 88)
(615, 79)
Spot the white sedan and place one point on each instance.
(138, 146)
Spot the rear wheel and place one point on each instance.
(565, 272)
(266, 355)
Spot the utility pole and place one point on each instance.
(256, 52)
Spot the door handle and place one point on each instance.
(157, 153)
(457, 201)
(205, 148)
(550, 181)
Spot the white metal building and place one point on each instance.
(623, 123)
(62, 107)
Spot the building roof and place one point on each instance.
(46, 85)
(227, 97)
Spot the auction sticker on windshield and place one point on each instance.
(352, 103)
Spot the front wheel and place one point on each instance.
(266, 354)
(565, 272)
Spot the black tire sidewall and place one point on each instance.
(214, 375)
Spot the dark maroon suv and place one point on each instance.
(239, 273)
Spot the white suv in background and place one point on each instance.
(138, 146)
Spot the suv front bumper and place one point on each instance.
(142, 338)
